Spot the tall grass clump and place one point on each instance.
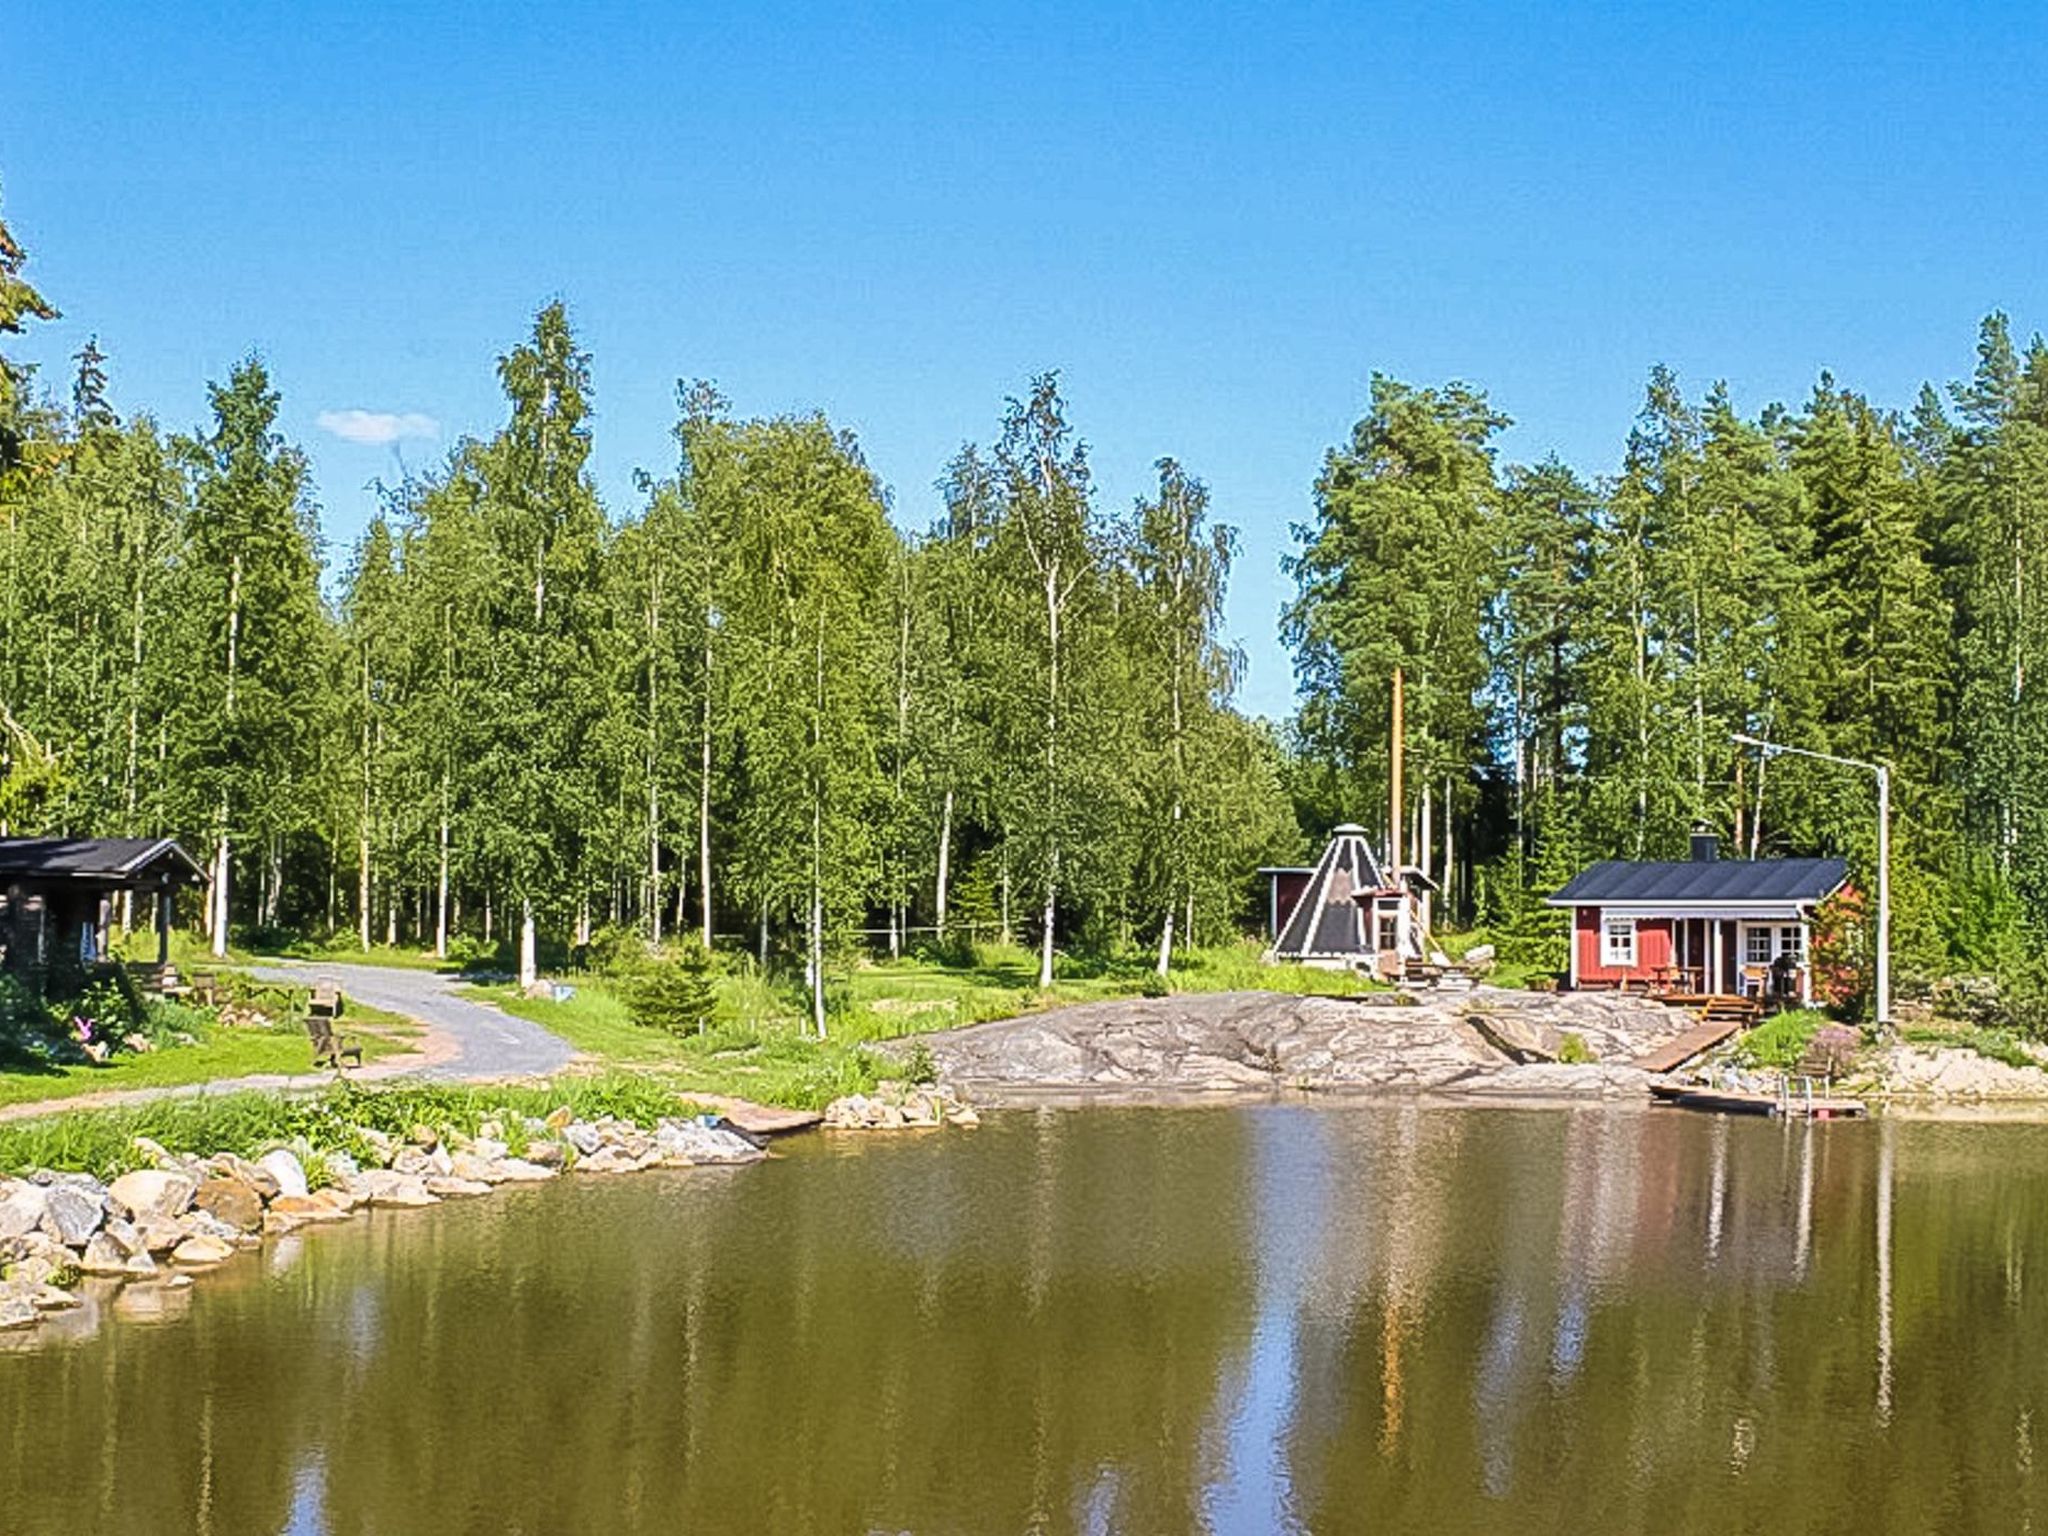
(103, 1142)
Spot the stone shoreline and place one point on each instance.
(1487, 1046)
(159, 1225)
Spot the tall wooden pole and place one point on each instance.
(1394, 797)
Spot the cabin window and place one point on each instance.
(1618, 941)
(1792, 941)
(1390, 931)
(1756, 946)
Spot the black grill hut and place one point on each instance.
(56, 896)
(1353, 912)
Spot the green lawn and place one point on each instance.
(757, 1048)
(220, 1053)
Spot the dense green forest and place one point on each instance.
(751, 708)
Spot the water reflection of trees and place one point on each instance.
(1015, 1330)
(1636, 1321)
(1388, 1317)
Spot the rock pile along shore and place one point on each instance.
(899, 1107)
(159, 1224)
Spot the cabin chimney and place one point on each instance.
(1705, 847)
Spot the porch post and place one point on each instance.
(1805, 965)
(163, 925)
(1714, 960)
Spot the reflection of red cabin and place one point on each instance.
(1704, 924)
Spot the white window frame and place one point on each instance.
(1779, 939)
(1618, 956)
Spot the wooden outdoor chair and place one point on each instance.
(330, 1048)
(207, 989)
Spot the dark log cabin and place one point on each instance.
(57, 893)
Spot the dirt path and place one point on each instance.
(465, 1041)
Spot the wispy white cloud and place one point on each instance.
(377, 427)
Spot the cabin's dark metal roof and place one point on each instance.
(1704, 880)
(98, 860)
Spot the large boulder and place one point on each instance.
(286, 1168)
(232, 1200)
(1517, 1036)
(389, 1188)
(517, 1170)
(255, 1175)
(688, 1142)
(21, 1207)
(159, 1234)
(202, 1250)
(608, 1159)
(17, 1312)
(71, 1214)
(107, 1254)
(473, 1168)
(452, 1188)
(163, 1192)
(307, 1208)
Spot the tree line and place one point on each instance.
(750, 709)
(747, 708)
(1581, 652)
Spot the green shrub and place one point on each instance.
(1152, 984)
(616, 950)
(674, 992)
(467, 952)
(918, 1066)
(1573, 1050)
(957, 951)
(1780, 1041)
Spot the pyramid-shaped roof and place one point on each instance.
(1327, 922)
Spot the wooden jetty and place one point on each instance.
(1675, 1053)
(1789, 1103)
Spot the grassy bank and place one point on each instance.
(103, 1142)
(757, 1046)
(220, 1052)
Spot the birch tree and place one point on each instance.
(251, 587)
(1048, 548)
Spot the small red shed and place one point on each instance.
(1704, 924)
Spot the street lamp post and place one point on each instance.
(1884, 854)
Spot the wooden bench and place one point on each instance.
(330, 1048)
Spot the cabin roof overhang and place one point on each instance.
(1782, 910)
(132, 863)
(1703, 887)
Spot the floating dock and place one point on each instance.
(1791, 1104)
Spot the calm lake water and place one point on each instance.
(1267, 1319)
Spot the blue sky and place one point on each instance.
(1216, 221)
